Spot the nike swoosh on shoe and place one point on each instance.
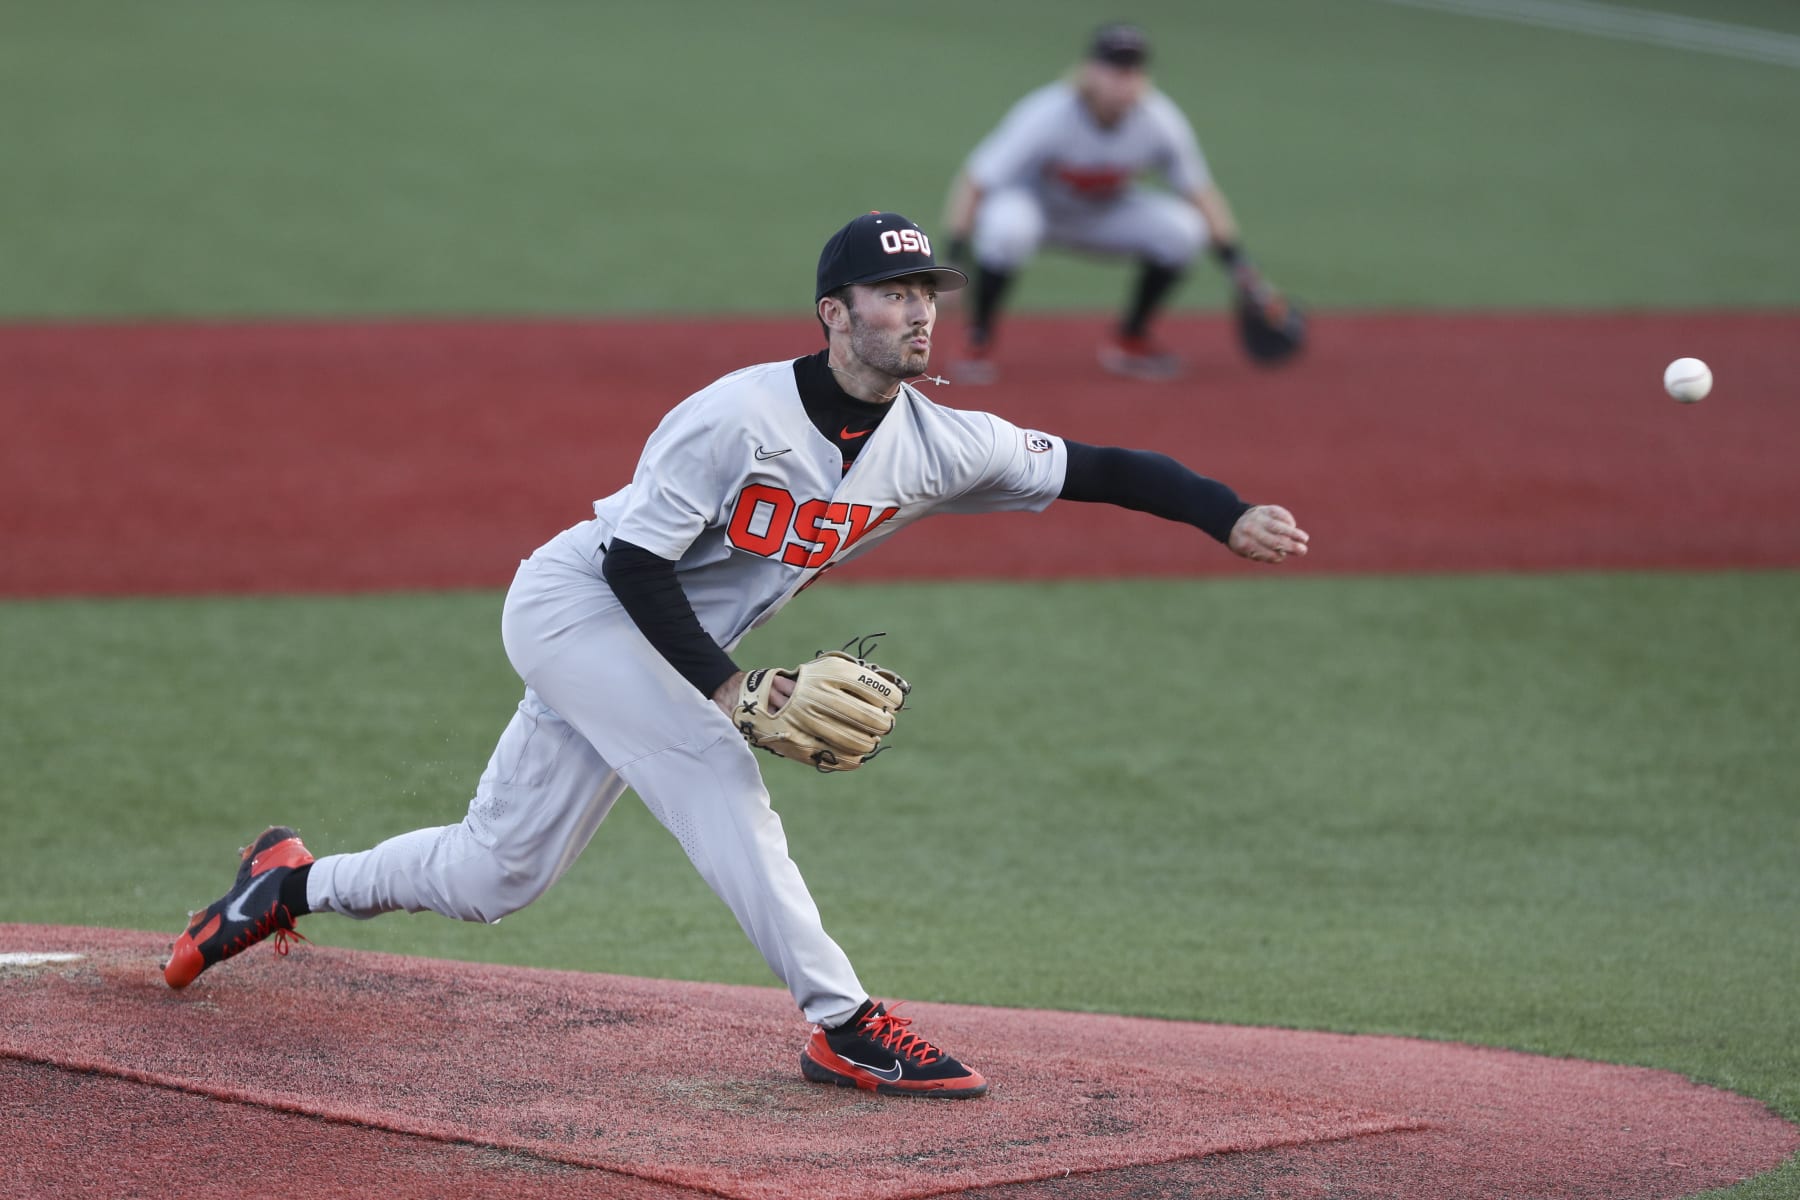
(886, 1075)
(235, 911)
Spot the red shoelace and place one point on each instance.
(282, 937)
(280, 934)
(891, 1031)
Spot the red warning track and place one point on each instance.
(526, 1082)
(331, 457)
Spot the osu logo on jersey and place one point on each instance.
(905, 241)
(769, 522)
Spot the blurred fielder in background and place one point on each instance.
(1063, 169)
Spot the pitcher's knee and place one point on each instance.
(489, 886)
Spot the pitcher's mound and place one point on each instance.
(417, 1077)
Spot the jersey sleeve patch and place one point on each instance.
(1024, 471)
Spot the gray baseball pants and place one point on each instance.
(602, 711)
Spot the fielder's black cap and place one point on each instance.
(877, 246)
(1121, 45)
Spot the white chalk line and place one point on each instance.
(25, 958)
(1667, 30)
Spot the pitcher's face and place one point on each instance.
(891, 322)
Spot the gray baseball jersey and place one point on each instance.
(1049, 142)
(751, 502)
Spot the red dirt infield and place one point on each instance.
(271, 1075)
(347, 457)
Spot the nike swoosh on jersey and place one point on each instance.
(765, 455)
(236, 910)
(844, 434)
(888, 1075)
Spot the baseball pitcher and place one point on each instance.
(622, 629)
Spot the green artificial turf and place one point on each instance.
(1553, 812)
(266, 159)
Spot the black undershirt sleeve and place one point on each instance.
(652, 597)
(1149, 482)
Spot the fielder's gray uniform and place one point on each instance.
(1050, 174)
(751, 502)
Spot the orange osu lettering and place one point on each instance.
(771, 508)
(860, 522)
(809, 530)
(769, 523)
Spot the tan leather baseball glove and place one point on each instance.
(842, 707)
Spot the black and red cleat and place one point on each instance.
(251, 911)
(875, 1050)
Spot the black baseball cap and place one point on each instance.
(1121, 45)
(877, 246)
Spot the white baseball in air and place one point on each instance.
(1687, 379)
